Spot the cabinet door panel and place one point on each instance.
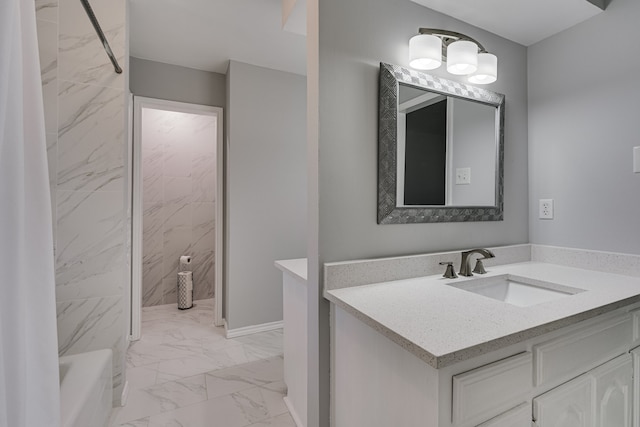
(569, 405)
(600, 398)
(635, 354)
(613, 392)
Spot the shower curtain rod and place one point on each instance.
(103, 39)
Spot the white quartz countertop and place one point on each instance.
(296, 267)
(444, 325)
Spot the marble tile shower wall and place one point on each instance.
(84, 103)
(178, 168)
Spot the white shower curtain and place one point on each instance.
(29, 388)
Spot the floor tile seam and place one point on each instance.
(249, 386)
(262, 420)
(168, 412)
(156, 383)
(270, 416)
(248, 380)
(158, 361)
(197, 349)
(210, 372)
(244, 365)
(254, 387)
(266, 386)
(267, 358)
(184, 406)
(155, 377)
(178, 377)
(133, 366)
(197, 352)
(174, 381)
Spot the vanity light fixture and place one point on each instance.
(464, 55)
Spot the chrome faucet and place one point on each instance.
(465, 268)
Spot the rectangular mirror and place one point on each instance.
(440, 149)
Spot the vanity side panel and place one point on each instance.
(364, 363)
(294, 294)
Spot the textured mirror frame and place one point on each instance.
(388, 211)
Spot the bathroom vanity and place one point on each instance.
(481, 351)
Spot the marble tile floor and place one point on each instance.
(183, 372)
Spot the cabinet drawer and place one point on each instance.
(518, 416)
(486, 392)
(581, 350)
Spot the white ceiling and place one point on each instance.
(205, 34)
(523, 21)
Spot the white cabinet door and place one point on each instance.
(569, 405)
(613, 397)
(635, 353)
(600, 398)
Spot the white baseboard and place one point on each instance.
(292, 411)
(248, 330)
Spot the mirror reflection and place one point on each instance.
(446, 150)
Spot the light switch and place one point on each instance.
(463, 176)
(636, 159)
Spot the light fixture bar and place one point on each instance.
(449, 37)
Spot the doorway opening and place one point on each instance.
(177, 203)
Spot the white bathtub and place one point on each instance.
(86, 389)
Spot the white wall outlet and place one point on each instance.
(463, 176)
(546, 209)
(636, 159)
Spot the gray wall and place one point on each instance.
(266, 193)
(175, 83)
(583, 123)
(354, 36)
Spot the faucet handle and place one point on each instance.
(479, 268)
(449, 272)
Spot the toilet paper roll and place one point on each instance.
(185, 263)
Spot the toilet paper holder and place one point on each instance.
(185, 290)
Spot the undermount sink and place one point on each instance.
(517, 290)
